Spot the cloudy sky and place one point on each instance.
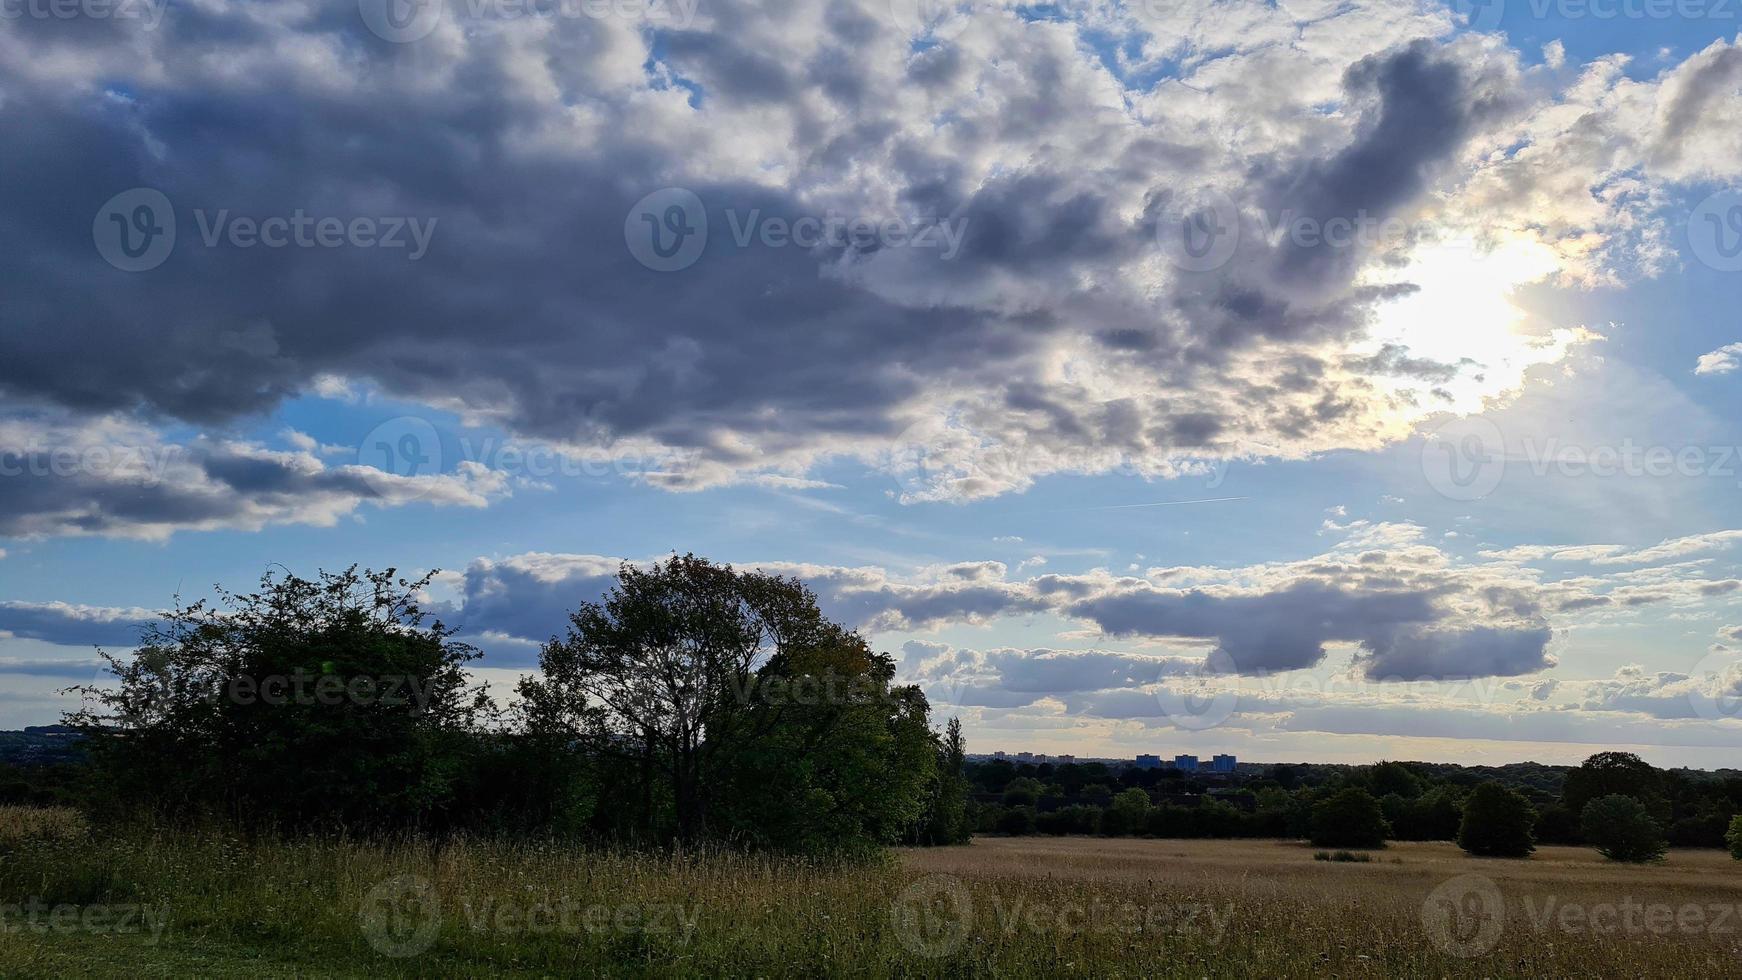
(1307, 380)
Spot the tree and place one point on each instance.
(1349, 818)
(727, 707)
(1023, 791)
(1621, 829)
(946, 820)
(1497, 823)
(1609, 773)
(325, 701)
(1127, 815)
(1733, 837)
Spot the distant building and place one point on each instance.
(1039, 757)
(1065, 760)
(999, 754)
(1185, 763)
(1025, 757)
(1222, 763)
(1149, 762)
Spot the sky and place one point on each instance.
(1308, 381)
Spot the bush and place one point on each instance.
(1621, 829)
(1497, 823)
(1733, 837)
(1343, 856)
(1349, 818)
(1017, 820)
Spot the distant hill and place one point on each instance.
(41, 745)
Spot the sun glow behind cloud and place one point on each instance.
(1463, 314)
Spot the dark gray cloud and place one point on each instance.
(524, 146)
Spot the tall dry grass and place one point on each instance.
(19, 824)
(1022, 907)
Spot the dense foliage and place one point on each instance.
(694, 703)
(1419, 801)
(1622, 829)
(1497, 822)
(1349, 818)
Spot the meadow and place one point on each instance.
(172, 903)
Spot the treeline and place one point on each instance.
(695, 704)
(1388, 801)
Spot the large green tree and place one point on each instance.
(1350, 817)
(1497, 823)
(1610, 773)
(1621, 829)
(330, 700)
(725, 706)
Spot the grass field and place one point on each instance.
(162, 905)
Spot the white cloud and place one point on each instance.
(1721, 361)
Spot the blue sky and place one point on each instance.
(1096, 494)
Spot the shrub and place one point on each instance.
(1349, 818)
(1017, 820)
(1621, 829)
(1733, 837)
(1342, 856)
(1497, 823)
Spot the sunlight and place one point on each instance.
(1464, 309)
